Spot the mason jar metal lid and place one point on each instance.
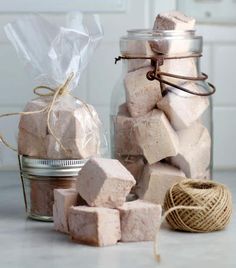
(51, 167)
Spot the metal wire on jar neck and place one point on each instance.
(157, 74)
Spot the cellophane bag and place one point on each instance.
(62, 126)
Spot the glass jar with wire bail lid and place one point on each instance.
(161, 109)
(40, 177)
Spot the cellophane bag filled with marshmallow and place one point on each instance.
(62, 126)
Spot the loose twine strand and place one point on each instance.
(196, 206)
(54, 93)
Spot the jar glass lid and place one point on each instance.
(148, 42)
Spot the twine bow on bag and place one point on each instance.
(54, 93)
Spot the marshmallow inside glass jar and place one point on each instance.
(164, 64)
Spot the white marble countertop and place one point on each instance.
(31, 244)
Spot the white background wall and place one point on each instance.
(97, 82)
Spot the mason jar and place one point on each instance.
(39, 179)
(161, 107)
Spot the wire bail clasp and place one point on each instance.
(157, 74)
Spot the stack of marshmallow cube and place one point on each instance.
(97, 213)
(160, 138)
(74, 123)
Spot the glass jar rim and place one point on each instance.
(152, 34)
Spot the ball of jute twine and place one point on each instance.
(213, 198)
(195, 205)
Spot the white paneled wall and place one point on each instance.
(219, 62)
(98, 80)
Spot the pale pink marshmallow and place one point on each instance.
(79, 132)
(134, 164)
(173, 46)
(31, 145)
(95, 226)
(137, 48)
(174, 20)
(75, 148)
(156, 181)
(181, 108)
(141, 93)
(139, 220)
(35, 123)
(182, 67)
(75, 124)
(156, 137)
(195, 150)
(63, 200)
(104, 182)
(125, 141)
